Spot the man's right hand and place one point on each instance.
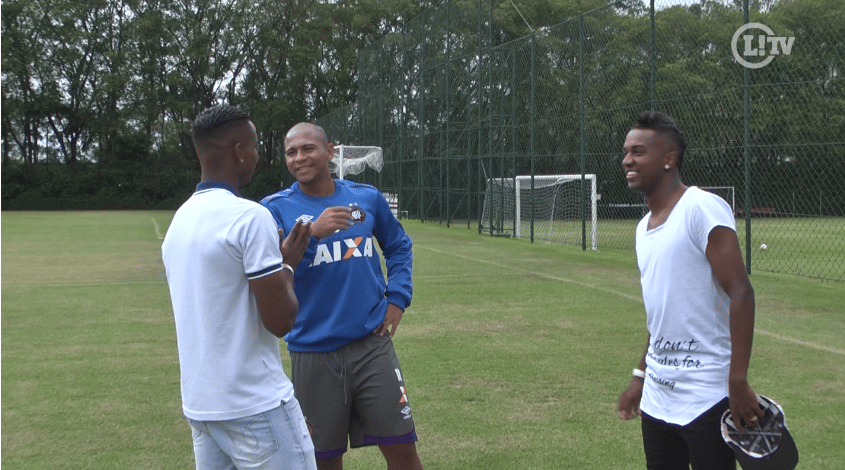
(628, 405)
(331, 220)
(294, 245)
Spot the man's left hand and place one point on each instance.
(391, 321)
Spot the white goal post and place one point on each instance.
(557, 206)
(354, 159)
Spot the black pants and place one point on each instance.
(673, 447)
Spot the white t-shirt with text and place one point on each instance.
(689, 353)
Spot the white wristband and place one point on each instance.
(639, 373)
(288, 267)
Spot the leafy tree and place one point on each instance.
(110, 86)
(277, 59)
(75, 43)
(23, 108)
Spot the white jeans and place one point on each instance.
(275, 439)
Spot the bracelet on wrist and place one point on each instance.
(639, 373)
(288, 267)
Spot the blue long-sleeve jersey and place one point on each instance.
(339, 282)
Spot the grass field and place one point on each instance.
(807, 246)
(514, 353)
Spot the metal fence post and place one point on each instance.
(746, 147)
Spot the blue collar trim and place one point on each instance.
(218, 185)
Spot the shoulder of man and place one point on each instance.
(700, 197)
(361, 188)
(270, 199)
(356, 185)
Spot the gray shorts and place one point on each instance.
(355, 393)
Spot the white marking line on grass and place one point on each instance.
(158, 231)
(622, 294)
(539, 274)
(798, 341)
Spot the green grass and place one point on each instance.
(514, 352)
(807, 246)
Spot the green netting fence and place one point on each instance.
(466, 119)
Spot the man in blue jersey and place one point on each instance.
(233, 297)
(344, 368)
(699, 309)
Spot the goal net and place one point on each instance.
(354, 159)
(557, 202)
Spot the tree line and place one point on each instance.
(98, 95)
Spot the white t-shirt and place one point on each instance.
(688, 312)
(230, 363)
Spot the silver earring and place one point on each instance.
(667, 166)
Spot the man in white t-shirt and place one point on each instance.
(699, 305)
(231, 286)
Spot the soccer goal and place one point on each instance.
(354, 159)
(557, 201)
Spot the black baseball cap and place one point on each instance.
(767, 445)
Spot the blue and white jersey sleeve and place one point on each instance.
(258, 239)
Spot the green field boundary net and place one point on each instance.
(757, 89)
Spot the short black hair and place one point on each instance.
(215, 119)
(659, 122)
